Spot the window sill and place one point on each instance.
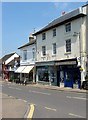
(54, 55)
(43, 56)
(67, 53)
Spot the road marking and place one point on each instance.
(22, 100)
(30, 115)
(71, 114)
(50, 108)
(40, 92)
(81, 98)
(18, 89)
(15, 88)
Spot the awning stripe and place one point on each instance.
(19, 70)
(27, 69)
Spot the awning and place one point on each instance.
(19, 69)
(27, 69)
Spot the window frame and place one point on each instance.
(54, 49)
(43, 36)
(24, 55)
(54, 32)
(33, 53)
(68, 27)
(43, 51)
(68, 45)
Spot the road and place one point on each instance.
(49, 103)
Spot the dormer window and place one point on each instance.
(68, 27)
(43, 36)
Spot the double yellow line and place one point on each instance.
(30, 114)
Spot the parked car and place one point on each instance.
(85, 85)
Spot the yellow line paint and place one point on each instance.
(50, 108)
(30, 115)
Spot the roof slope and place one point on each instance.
(27, 44)
(61, 20)
(7, 56)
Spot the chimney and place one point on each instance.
(31, 37)
(63, 13)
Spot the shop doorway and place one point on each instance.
(68, 78)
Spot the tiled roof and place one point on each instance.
(61, 20)
(27, 44)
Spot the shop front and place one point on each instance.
(69, 74)
(46, 73)
(26, 73)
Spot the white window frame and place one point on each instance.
(54, 49)
(33, 53)
(54, 32)
(67, 28)
(68, 46)
(43, 36)
(24, 55)
(42, 51)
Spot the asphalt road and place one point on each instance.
(49, 103)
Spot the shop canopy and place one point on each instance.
(27, 69)
(19, 69)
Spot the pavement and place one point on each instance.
(12, 107)
(59, 88)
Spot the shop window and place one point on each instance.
(62, 76)
(43, 75)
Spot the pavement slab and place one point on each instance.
(12, 107)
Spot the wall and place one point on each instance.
(29, 55)
(60, 41)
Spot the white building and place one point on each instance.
(9, 64)
(27, 60)
(62, 49)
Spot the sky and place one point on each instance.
(19, 19)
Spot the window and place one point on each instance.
(68, 45)
(43, 74)
(43, 50)
(54, 48)
(43, 36)
(68, 27)
(25, 54)
(54, 32)
(33, 52)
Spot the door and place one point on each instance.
(68, 79)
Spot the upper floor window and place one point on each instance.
(54, 32)
(68, 27)
(25, 54)
(43, 50)
(68, 45)
(33, 52)
(43, 36)
(54, 48)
